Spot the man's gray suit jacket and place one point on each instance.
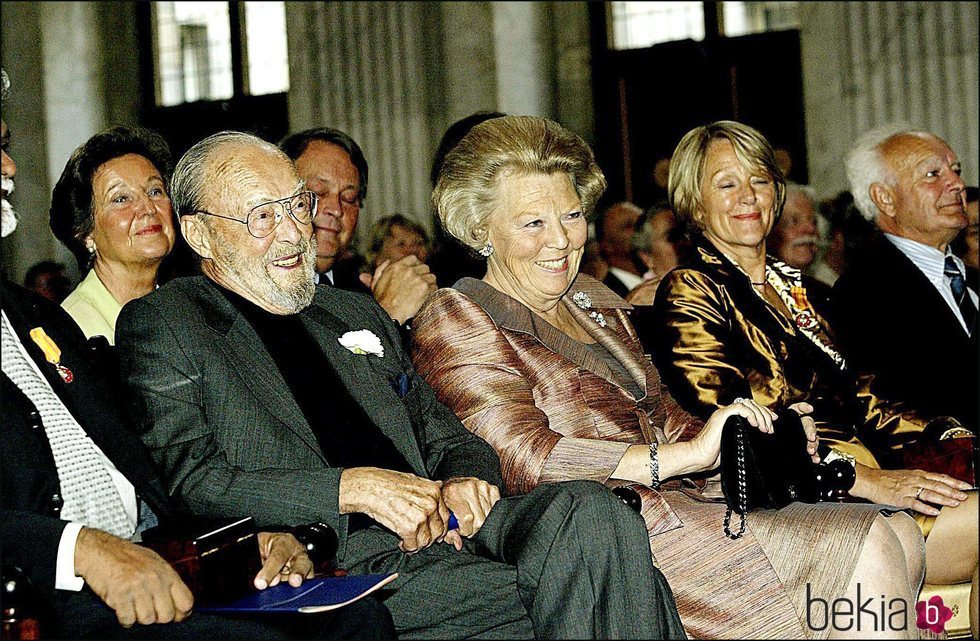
(218, 417)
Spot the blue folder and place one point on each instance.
(315, 595)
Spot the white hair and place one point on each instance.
(809, 192)
(192, 172)
(865, 165)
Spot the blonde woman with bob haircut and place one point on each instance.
(543, 363)
(734, 322)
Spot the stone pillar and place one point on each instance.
(396, 75)
(821, 46)
(572, 79)
(73, 84)
(868, 63)
(469, 60)
(524, 51)
(74, 70)
(362, 67)
(23, 40)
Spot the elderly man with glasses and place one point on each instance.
(261, 393)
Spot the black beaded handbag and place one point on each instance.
(769, 471)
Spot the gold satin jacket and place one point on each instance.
(714, 339)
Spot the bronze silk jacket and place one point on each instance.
(524, 386)
(554, 410)
(714, 339)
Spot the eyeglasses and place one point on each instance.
(263, 219)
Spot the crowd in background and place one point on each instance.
(816, 237)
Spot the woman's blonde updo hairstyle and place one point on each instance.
(689, 159)
(466, 192)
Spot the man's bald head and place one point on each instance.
(207, 169)
(908, 182)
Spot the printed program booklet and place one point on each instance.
(315, 595)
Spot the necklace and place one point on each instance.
(757, 284)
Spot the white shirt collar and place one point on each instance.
(629, 279)
(930, 260)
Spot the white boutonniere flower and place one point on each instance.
(363, 341)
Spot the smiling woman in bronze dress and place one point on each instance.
(542, 362)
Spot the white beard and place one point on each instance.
(9, 219)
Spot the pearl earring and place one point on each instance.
(487, 250)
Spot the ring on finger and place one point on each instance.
(740, 400)
(918, 492)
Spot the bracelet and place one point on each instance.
(654, 467)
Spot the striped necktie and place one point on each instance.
(958, 284)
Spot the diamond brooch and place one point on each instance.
(584, 302)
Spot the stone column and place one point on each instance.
(362, 67)
(868, 63)
(525, 61)
(572, 79)
(469, 60)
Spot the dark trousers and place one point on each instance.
(567, 561)
(82, 615)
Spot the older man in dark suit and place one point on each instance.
(902, 309)
(258, 392)
(78, 485)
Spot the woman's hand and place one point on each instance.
(809, 428)
(706, 446)
(908, 488)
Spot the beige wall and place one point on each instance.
(73, 69)
(409, 70)
(396, 74)
(868, 63)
